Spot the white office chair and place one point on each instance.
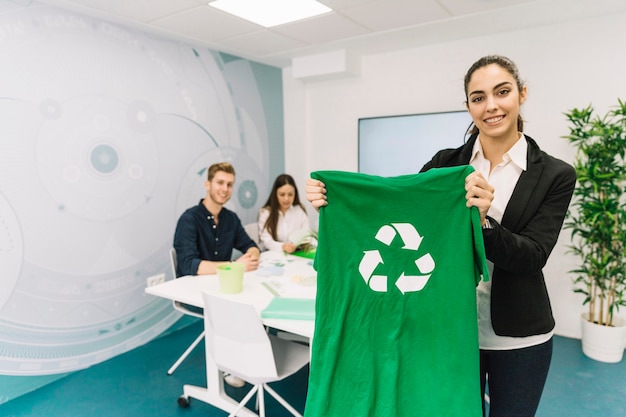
(252, 229)
(237, 342)
(181, 307)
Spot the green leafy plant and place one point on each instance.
(597, 216)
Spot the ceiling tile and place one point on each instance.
(206, 24)
(345, 4)
(393, 14)
(322, 29)
(262, 43)
(460, 7)
(139, 10)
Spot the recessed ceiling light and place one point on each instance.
(271, 12)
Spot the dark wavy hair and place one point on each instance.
(273, 206)
(507, 65)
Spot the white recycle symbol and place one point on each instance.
(405, 283)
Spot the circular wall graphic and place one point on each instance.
(107, 134)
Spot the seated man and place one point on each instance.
(206, 234)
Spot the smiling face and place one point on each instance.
(285, 195)
(493, 100)
(220, 187)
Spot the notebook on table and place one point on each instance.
(290, 308)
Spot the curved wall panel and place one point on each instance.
(105, 138)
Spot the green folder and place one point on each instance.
(290, 308)
(305, 253)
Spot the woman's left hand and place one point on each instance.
(478, 193)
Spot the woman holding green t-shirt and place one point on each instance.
(522, 195)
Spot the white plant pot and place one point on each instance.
(603, 343)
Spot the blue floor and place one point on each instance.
(136, 385)
(581, 387)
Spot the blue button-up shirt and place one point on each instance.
(199, 238)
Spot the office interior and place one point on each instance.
(275, 118)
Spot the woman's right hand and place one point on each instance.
(289, 247)
(479, 193)
(316, 193)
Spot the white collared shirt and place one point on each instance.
(503, 177)
(295, 218)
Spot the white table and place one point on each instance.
(296, 280)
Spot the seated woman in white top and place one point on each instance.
(281, 216)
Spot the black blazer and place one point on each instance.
(519, 247)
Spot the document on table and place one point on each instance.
(296, 286)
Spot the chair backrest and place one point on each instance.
(252, 229)
(237, 341)
(174, 263)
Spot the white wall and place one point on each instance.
(566, 65)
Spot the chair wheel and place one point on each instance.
(183, 401)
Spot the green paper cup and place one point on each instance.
(231, 277)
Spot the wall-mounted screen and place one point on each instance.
(398, 145)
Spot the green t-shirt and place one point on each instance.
(398, 261)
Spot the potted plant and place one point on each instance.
(597, 219)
